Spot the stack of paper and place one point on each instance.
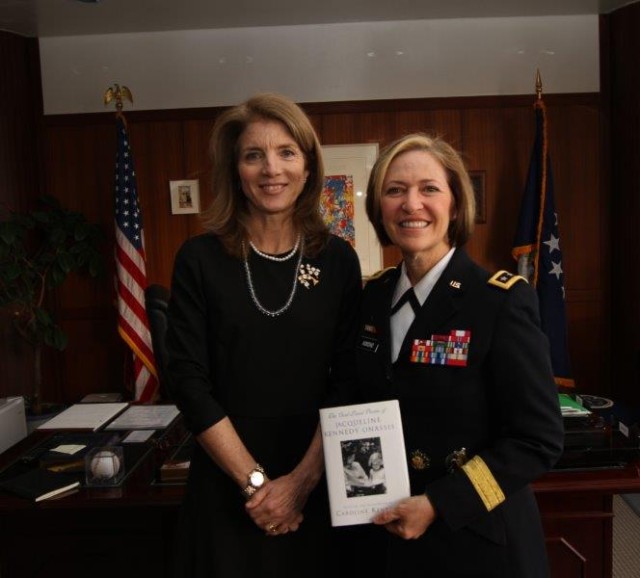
(85, 416)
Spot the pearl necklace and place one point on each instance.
(273, 257)
(252, 290)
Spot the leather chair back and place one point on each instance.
(157, 303)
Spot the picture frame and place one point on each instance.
(478, 179)
(347, 169)
(185, 197)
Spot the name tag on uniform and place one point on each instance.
(368, 343)
(452, 349)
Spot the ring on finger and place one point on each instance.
(271, 527)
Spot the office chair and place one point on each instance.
(157, 303)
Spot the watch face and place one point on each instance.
(256, 479)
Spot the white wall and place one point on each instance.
(332, 62)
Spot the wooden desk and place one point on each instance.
(577, 515)
(128, 531)
(122, 532)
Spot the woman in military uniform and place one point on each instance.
(462, 351)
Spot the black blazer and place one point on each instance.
(497, 410)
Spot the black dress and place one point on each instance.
(269, 375)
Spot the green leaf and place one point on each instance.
(42, 316)
(58, 236)
(11, 272)
(57, 275)
(10, 232)
(60, 339)
(66, 262)
(95, 265)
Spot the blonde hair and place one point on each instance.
(228, 214)
(461, 227)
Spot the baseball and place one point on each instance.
(105, 465)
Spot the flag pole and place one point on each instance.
(537, 245)
(130, 256)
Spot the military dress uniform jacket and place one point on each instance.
(481, 418)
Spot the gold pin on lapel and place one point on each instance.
(455, 284)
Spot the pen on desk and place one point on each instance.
(76, 466)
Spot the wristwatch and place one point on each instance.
(255, 480)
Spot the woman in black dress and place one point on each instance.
(463, 352)
(262, 323)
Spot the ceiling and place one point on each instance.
(44, 18)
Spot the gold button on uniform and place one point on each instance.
(419, 460)
(456, 459)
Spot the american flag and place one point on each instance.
(537, 250)
(131, 273)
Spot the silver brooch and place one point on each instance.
(309, 275)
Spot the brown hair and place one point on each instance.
(227, 216)
(461, 227)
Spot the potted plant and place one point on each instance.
(38, 250)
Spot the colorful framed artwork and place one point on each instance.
(185, 197)
(346, 169)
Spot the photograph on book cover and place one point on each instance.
(363, 467)
(365, 460)
(346, 169)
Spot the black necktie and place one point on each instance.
(409, 296)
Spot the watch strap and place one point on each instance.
(250, 488)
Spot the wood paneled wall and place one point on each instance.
(621, 79)
(20, 114)
(495, 135)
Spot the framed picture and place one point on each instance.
(185, 197)
(478, 182)
(346, 169)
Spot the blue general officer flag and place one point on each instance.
(537, 250)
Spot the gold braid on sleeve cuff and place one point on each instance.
(484, 482)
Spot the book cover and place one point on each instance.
(365, 460)
(39, 484)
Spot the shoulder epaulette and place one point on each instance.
(378, 274)
(505, 280)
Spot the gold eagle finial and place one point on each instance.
(117, 93)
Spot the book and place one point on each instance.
(570, 407)
(85, 416)
(145, 417)
(39, 484)
(175, 469)
(365, 460)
